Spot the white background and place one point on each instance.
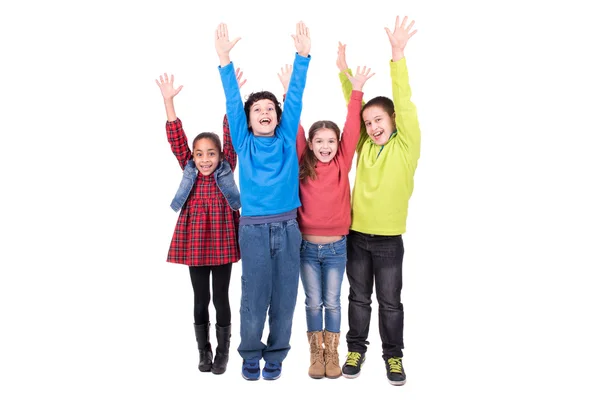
(500, 276)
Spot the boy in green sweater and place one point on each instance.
(388, 152)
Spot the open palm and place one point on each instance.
(401, 34)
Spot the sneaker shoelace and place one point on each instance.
(353, 358)
(395, 364)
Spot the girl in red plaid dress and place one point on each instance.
(206, 233)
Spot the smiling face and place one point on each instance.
(263, 118)
(324, 144)
(206, 156)
(380, 125)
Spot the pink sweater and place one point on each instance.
(325, 209)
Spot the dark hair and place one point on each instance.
(210, 136)
(308, 161)
(380, 101)
(256, 96)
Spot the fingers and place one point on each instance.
(364, 71)
(302, 29)
(409, 27)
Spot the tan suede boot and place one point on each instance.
(317, 363)
(332, 358)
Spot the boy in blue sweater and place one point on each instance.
(264, 138)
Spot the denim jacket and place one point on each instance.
(223, 177)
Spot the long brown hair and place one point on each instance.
(308, 161)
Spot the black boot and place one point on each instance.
(203, 339)
(222, 356)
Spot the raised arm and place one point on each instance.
(175, 134)
(352, 126)
(290, 118)
(407, 122)
(344, 71)
(345, 74)
(228, 150)
(284, 78)
(234, 105)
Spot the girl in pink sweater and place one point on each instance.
(324, 220)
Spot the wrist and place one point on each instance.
(397, 54)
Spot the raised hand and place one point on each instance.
(302, 39)
(358, 80)
(222, 43)
(238, 76)
(166, 86)
(341, 57)
(284, 77)
(400, 36)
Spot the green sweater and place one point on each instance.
(384, 181)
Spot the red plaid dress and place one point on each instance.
(207, 228)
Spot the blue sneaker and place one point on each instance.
(271, 371)
(251, 370)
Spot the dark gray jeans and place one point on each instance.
(375, 259)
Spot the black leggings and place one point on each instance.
(221, 275)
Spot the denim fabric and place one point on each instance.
(322, 269)
(270, 276)
(223, 177)
(373, 258)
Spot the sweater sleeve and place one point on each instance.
(228, 150)
(236, 115)
(351, 132)
(407, 123)
(178, 141)
(301, 143)
(347, 91)
(290, 117)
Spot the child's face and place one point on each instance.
(379, 124)
(324, 144)
(263, 118)
(206, 156)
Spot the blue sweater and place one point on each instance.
(268, 166)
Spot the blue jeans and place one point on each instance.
(270, 274)
(322, 269)
(375, 259)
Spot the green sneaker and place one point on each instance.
(354, 361)
(395, 371)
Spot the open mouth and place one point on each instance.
(325, 153)
(376, 135)
(265, 121)
(206, 167)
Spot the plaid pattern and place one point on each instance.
(207, 228)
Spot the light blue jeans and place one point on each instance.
(322, 269)
(270, 274)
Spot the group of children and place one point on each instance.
(298, 219)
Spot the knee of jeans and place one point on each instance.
(313, 303)
(333, 307)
